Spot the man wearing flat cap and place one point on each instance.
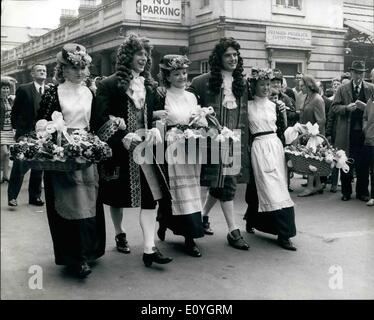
(348, 107)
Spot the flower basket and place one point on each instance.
(304, 161)
(64, 166)
(52, 148)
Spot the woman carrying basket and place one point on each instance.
(76, 218)
(270, 208)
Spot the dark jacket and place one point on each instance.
(344, 97)
(233, 119)
(25, 108)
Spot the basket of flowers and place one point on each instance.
(203, 136)
(311, 153)
(51, 147)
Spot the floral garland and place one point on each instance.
(179, 63)
(262, 74)
(78, 58)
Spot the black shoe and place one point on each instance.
(206, 226)
(12, 203)
(334, 189)
(121, 243)
(81, 270)
(161, 232)
(36, 202)
(156, 256)
(236, 240)
(346, 198)
(192, 249)
(363, 198)
(286, 244)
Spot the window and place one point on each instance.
(204, 3)
(289, 3)
(204, 66)
(288, 7)
(289, 70)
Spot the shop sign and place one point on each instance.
(288, 37)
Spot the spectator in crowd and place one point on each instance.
(7, 135)
(75, 216)
(225, 89)
(270, 207)
(313, 112)
(368, 154)
(298, 93)
(276, 83)
(335, 84)
(348, 106)
(288, 91)
(345, 77)
(25, 108)
(124, 106)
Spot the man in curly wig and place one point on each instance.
(124, 102)
(225, 89)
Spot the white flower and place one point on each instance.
(50, 128)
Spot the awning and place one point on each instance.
(364, 27)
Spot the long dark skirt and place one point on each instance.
(279, 222)
(189, 225)
(74, 241)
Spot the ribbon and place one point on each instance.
(314, 140)
(44, 127)
(342, 161)
(201, 117)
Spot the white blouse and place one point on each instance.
(262, 115)
(180, 104)
(75, 101)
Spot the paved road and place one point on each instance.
(335, 258)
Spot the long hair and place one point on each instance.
(125, 56)
(310, 83)
(216, 66)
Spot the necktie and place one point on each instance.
(357, 90)
(40, 91)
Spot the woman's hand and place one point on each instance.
(161, 91)
(281, 106)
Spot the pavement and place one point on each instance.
(335, 258)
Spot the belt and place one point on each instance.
(255, 135)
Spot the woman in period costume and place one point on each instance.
(75, 216)
(313, 112)
(270, 208)
(225, 89)
(181, 212)
(7, 135)
(124, 107)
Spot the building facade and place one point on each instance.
(293, 35)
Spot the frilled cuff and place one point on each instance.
(107, 130)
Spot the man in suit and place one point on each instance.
(348, 107)
(26, 105)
